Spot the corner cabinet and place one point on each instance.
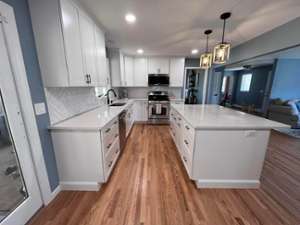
(70, 47)
(176, 72)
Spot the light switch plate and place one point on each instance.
(40, 108)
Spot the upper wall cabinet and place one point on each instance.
(140, 72)
(71, 48)
(128, 71)
(176, 72)
(116, 60)
(158, 65)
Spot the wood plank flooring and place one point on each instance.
(149, 186)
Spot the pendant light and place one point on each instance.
(222, 50)
(206, 58)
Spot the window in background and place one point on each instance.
(224, 84)
(246, 82)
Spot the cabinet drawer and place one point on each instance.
(109, 134)
(188, 130)
(186, 158)
(111, 158)
(188, 142)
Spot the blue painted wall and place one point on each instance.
(286, 84)
(35, 83)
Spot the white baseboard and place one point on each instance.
(234, 184)
(80, 186)
(53, 195)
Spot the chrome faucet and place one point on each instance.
(107, 95)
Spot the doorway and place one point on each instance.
(20, 196)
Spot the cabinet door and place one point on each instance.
(72, 41)
(176, 72)
(101, 64)
(140, 72)
(128, 71)
(88, 48)
(159, 65)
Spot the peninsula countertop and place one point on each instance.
(215, 117)
(92, 120)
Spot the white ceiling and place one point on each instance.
(174, 27)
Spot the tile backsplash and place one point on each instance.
(65, 102)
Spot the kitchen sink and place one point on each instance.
(118, 104)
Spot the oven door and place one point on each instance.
(158, 110)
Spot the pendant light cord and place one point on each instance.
(207, 43)
(223, 30)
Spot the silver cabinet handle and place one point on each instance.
(186, 142)
(178, 124)
(116, 135)
(107, 130)
(90, 78)
(117, 151)
(184, 158)
(111, 162)
(115, 122)
(187, 127)
(179, 119)
(108, 146)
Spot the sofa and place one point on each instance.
(287, 112)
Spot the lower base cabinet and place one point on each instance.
(85, 159)
(140, 109)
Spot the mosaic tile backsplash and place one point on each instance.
(64, 103)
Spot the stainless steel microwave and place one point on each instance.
(158, 80)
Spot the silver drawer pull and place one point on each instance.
(115, 122)
(117, 151)
(116, 135)
(179, 119)
(178, 124)
(187, 127)
(111, 162)
(108, 146)
(107, 130)
(184, 159)
(186, 142)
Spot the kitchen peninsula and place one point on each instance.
(220, 147)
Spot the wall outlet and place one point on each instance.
(40, 108)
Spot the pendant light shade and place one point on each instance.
(206, 58)
(222, 50)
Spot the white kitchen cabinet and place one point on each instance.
(72, 41)
(141, 110)
(101, 61)
(158, 65)
(140, 71)
(116, 59)
(66, 45)
(176, 72)
(88, 48)
(128, 71)
(85, 159)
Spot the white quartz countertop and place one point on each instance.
(218, 117)
(92, 120)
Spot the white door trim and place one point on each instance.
(19, 72)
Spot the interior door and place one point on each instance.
(19, 192)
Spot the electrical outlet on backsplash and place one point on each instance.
(66, 102)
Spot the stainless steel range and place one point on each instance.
(158, 107)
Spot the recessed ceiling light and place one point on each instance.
(130, 18)
(140, 51)
(195, 51)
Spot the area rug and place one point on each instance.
(291, 132)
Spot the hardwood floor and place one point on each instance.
(149, 186)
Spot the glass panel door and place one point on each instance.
(12, 188)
